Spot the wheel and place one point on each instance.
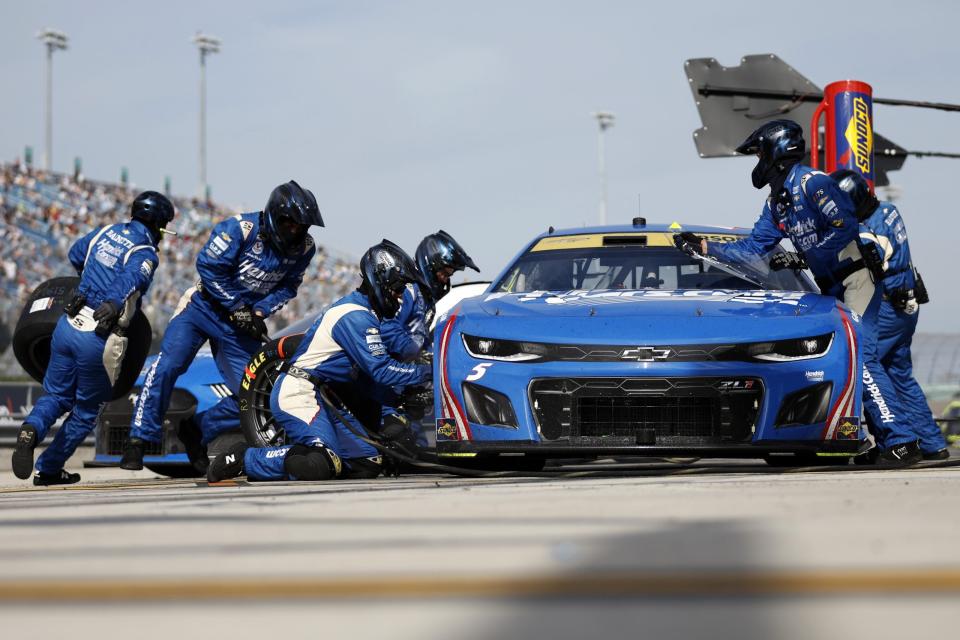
(806, 460)
(256, 420)
(173, 470)
(39, 317)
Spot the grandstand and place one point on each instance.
(42, 213)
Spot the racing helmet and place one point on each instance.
(855, 186)
(386, 269)
(438, 251)
(154, 210)
(779, 144)
(290, 212)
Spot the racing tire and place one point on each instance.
(39, 317)
(178, 471)
(256, 420)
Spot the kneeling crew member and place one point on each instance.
(903, 293)
(809, 208)
(344, 342)
(250, 267)
(116, 264)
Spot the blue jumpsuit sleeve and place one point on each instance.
(287, 289)
(404, 335)
(217, 264)
(762, 239)
(78, 251)
(887, 223)
(136, 275)
(366, 350)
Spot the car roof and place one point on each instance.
(674, 227)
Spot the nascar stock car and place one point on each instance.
(595, 342)
(611, 341)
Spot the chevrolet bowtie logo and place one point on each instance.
(644, 354)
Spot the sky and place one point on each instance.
(474, 117)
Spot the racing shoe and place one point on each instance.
(22, 460)
(61, 477)
(192, 439)
(940, 454)
(228, 464)
(900, 455)
(132, 459)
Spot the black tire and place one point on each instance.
(256, 419)
(5, 337)
(39, 317)
(174, 470)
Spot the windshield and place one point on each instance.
(642, 267)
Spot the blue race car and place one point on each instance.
(611, 341)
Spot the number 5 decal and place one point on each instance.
(478, 371)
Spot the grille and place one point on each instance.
(117, 435)
(646, 411)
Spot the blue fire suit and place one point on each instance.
(408, 333)
(116, 264)
(344, 342)
(818, 218)
(237, 267)
(896, 327)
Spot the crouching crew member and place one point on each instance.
(809, 208)
(903, 293)
(344, 345)
(250, 267)
(116, 264)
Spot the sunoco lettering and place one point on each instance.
(859, 135)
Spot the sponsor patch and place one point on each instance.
(41, 304)
(447, 430)
(219, 245)
(848, 429)
(146, 267)
(257, 247)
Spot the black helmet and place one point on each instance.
(154, 210)
(292, 202)
(386, 269)
(436, 251)
(779, 143)
(855, 186)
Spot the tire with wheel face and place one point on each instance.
(39, 317)
(256, 419)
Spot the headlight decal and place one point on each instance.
(451, 408)
(845, 402)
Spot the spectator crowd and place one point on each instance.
(42, 214)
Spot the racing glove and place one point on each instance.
(902, 301)
(72, 308)
(787, 260)
(396, 433)
(248, 322)
(106, 316)
(415, 400)
(689, 243)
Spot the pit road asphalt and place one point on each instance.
(659, 549)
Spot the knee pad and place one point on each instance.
(311, 463)
(364, 468)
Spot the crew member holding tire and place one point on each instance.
(116, 264)
(903, 293)
(250, 267)
(345, 340)
(809, 208)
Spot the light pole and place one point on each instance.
(207, 45)
(55, 41)
(605, 121)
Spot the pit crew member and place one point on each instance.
(809, 208)
(345, 340)
(252, 264)
(116, 264)
(902, 292)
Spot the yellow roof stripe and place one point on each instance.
(595, 240)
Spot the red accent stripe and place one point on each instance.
(843, 401)
(452, 399)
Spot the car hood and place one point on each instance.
(618, 316)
